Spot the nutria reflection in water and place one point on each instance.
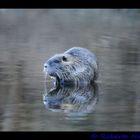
(74, 100)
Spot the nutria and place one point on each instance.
(76, 64)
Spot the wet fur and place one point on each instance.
(80, 65)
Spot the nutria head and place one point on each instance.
(76, 64)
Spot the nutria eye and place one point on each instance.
(64, 58)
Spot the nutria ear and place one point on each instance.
(71, 53)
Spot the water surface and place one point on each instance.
(29, 37)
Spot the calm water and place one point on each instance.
(29, 37)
